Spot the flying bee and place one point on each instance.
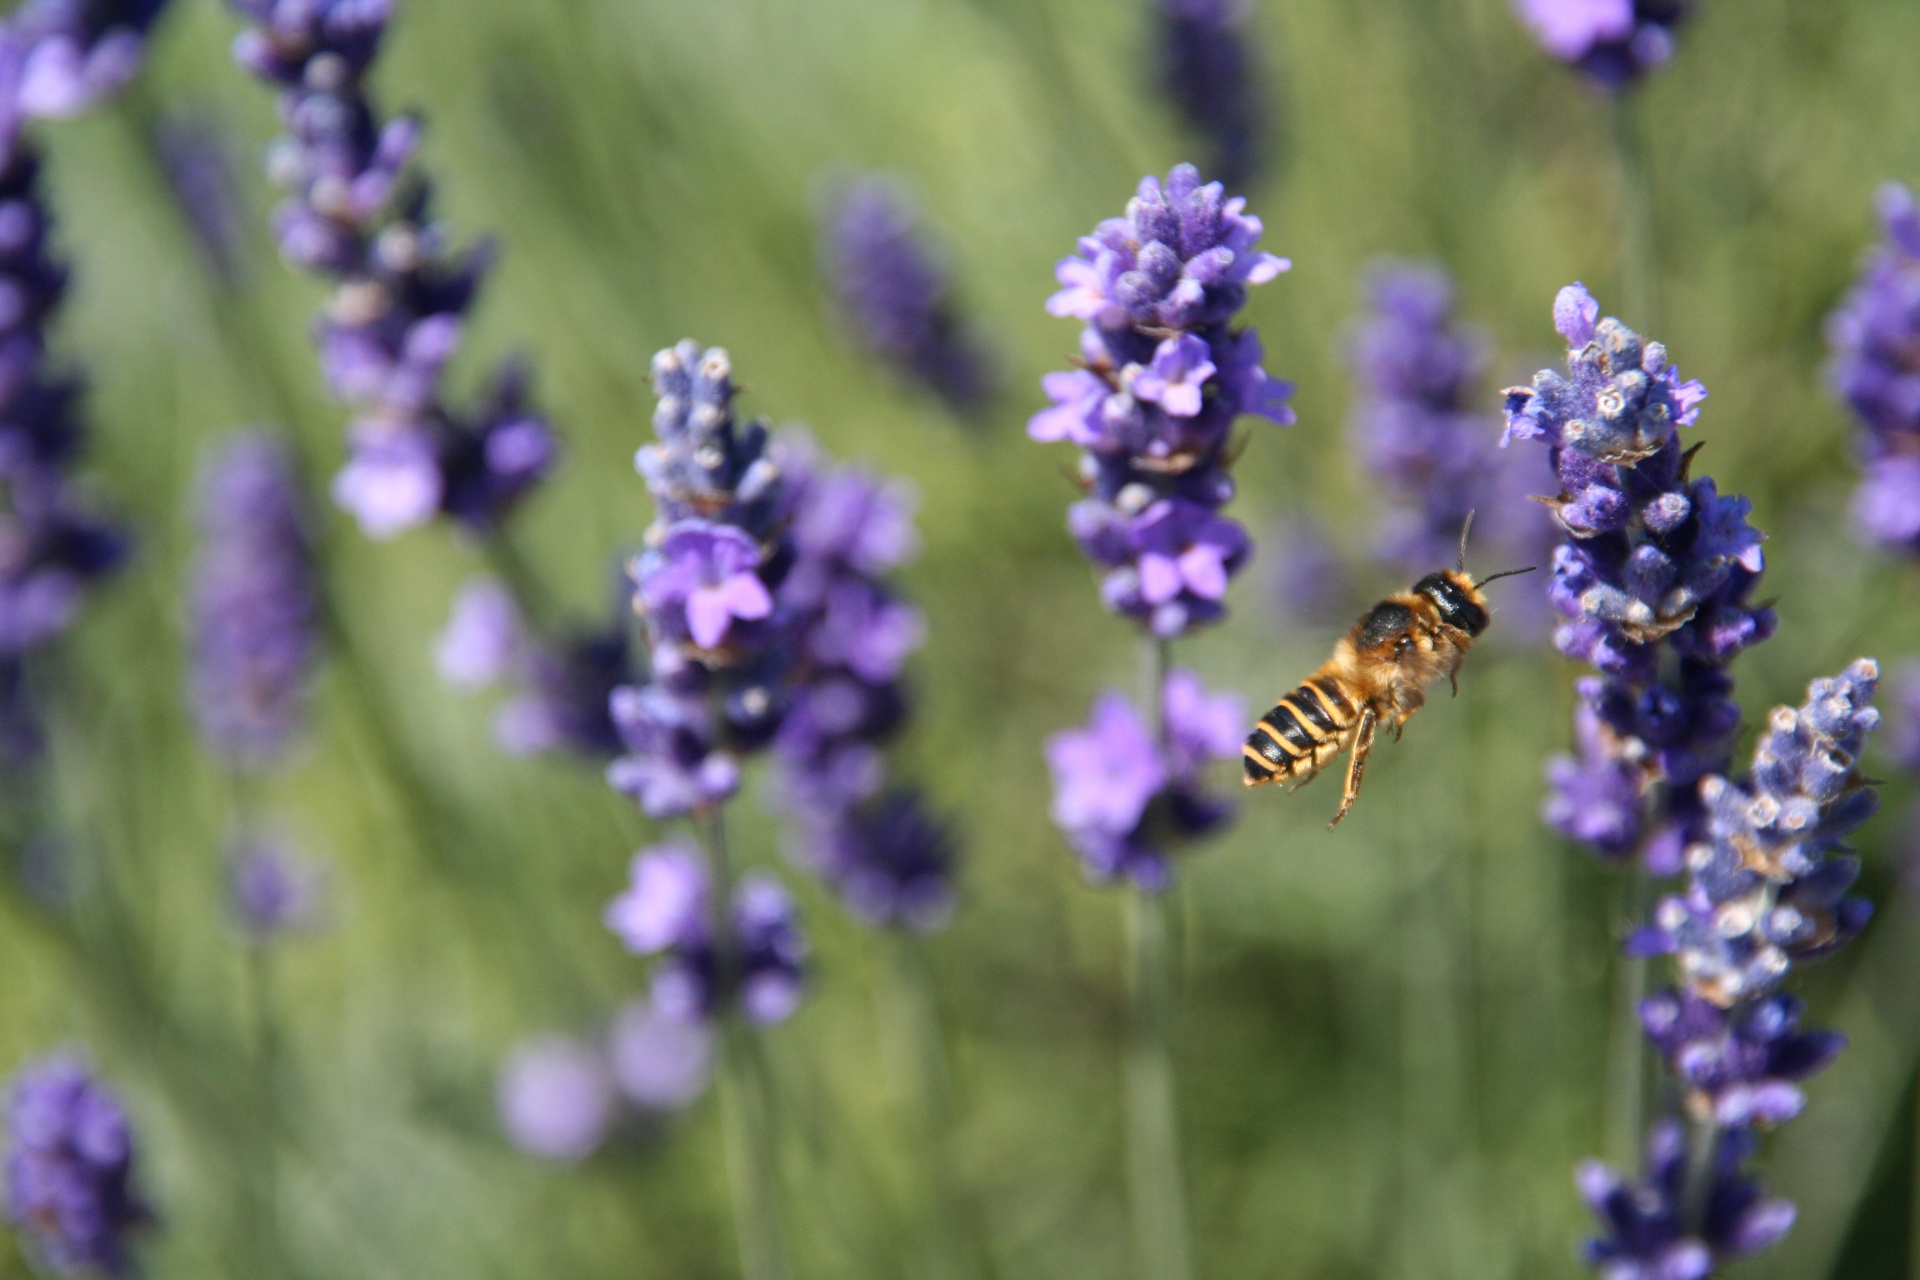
(1379, 674)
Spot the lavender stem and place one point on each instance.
(1637, 274)
(1153, 1124)
(745, 1099)
(959, 1237)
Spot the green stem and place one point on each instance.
(1153, 1132)
(957, 1240)
(745, 1095)
(1153, 1122)
(1638, 272)
(266, 1183)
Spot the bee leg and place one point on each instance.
(1453, 679)
(1357, 766)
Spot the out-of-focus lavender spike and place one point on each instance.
(1653, 578)
(893, 290)
(1207, 67)
(254, 607)
(196, 156)
(1126, 798)
(660, 1063)
(1419, 431)
(359, 212)
(1874, 335)
(1903, 742)
(1614, 42)
(555, 1096)
(1659, 1229)
(666, 912)
(272, 890)
(69, 1169)
(79, 52)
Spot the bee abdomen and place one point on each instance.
(1300, 734)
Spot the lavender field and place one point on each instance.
(625, 628)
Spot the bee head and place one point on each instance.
(1462, 605)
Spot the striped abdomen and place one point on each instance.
(1305, 729)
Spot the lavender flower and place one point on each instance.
(77, 53)
(254, 607)
(1615, 42)
(894, 292)
(660, 1063)
(359, 213)
(1647, 1232)
(1209, 72)
(561, 687)
(57, 58)
(1163, 378)
(1904, 745)
(1418, 432)
(667, 911)
(1875, 338)
(1652, 579)
(273, 891)
(70, 1169)
(555, 1096)
(890, 860)
(1740, 1070)
(1128, 798)
(1765, 888)
(707, 589)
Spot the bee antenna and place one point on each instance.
(1466, 527)
(1506, 573)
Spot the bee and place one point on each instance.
(1379, 674)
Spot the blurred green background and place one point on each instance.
(1391, 1038)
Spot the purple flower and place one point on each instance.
(772, 958)
(70, 1169)
(1645, 1229)
(894, 293)
(1163, 378)
(273, 891)
(254, 608)
(1125, 798)
(1875, 338)
(1652, 579)
(1614, 41)
(358, 212)
(482, 642)
(1419, 432)
(660, 1063)
(890, 860)
(1175, 379)
(77, 53)
(708, 572)
(1209, 72)
(1765, 889)
(666, 903)
(1904, 743)
(555, 1096)
(1740, 1070)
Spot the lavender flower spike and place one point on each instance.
(254, 610)
(893, 291)
(1209, 71)
(1615, 42)
(359, 213)
(1127, 800)
(70, 1169)
(79, 52)
(1652, 578)
(1875, 339)
(1163, 377)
